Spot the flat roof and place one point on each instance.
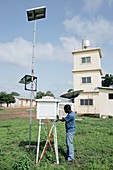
(88, 49)
(105, 88)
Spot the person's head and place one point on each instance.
(67, 108)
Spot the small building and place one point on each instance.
(21, 102)
(105, 101)
(87, 73)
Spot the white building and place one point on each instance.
(87, 73)
(21, 102)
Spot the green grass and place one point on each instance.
(93, 142)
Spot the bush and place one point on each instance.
(22, 163)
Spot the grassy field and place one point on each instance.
(93, 144)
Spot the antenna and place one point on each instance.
(85, 44)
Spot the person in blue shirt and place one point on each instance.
(70, 130)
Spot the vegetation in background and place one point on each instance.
(107, 80)
(7, 98)
(40, 94)
(93, 142)
(13, 93)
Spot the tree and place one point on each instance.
(13, 93)
(9, 99)
(2, 97)
(40, 94)
(6, 98)
(49, 93)
(107, 80)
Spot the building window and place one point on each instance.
(86, 59)
(110, 96)
(86, 102)
(86, 79)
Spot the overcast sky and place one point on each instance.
(67, 22)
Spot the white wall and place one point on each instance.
(95, 78)
(83, 109)
(92, 69)
(21, 102)
(95, 60)
(106, 104)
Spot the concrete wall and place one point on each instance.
(87, 109)
(95, 60)
(106, 104)
(21, 102)
(95, 80)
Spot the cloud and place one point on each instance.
(90, 5)
(16, 52)
(94, 5)
(110, 2)
(61, 52)
(70, 43)
(19, 51)
(98, 30)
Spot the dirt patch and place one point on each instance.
(13, 113)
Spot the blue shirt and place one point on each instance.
(70, 122)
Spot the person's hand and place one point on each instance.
(62, 119)
(58, 117)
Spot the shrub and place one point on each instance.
(22, 163)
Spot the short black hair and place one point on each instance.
(67, 108)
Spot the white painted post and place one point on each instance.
(39, 131)
(55, 143)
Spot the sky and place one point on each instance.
(67, 23)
